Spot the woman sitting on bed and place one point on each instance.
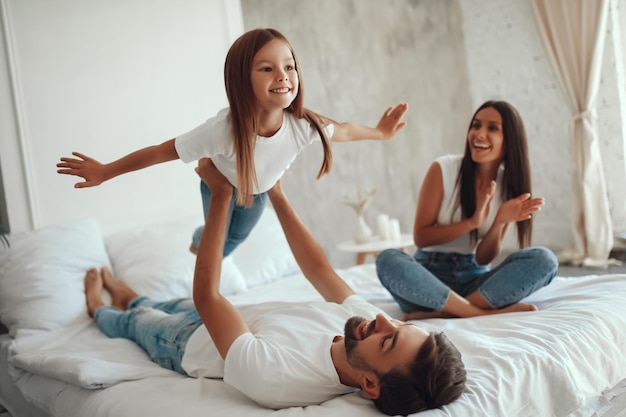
(283, 354)
(466, 206)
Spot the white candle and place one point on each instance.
(394, 230)
(383, 226)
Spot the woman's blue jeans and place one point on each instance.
(241, 220)
(162, 329)
(424, 281)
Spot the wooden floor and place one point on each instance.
(617, 254)
(576, 271)
(565, 270)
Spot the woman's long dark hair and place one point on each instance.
(516, 178)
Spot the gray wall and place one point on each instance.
(106, 93)
(69, 82)
(506, 59)
(443, 57)
(357, 58)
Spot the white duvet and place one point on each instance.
(545, 363)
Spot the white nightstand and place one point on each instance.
(375, 246)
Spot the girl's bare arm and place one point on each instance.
(390, 123)
(95, 173)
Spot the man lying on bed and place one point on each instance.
(282, 354)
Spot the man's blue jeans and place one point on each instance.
(162, 329)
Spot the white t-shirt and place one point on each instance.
(450, 211)
(285, 360)
(272, 156)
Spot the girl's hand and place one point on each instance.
(484, 194)
(519, 209)
(88, 168)
(391, 121)
(388, 125)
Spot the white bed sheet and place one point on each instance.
(555, 362)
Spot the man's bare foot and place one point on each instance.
(93, 291)
(193, 249)
(121, 294)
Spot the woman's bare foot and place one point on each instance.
(121, 294)
(475, 305)
(423, 315)
(515, 308)
(93, 291)
(470, 311)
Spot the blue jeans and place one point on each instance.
(424, 281)
(241, 220)
(162, 329)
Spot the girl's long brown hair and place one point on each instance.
(237, 72)
(516, 179)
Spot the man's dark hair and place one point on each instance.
(435, 378)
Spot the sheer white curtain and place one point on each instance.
(574, 32)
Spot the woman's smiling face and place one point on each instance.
(486, 137)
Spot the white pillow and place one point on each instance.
(42, 272)
(265, 255)
(155, 261)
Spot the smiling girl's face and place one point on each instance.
(274, 77)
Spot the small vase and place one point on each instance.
(362, 232)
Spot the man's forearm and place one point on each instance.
(307, 251)
(222, 320)
(211, 248)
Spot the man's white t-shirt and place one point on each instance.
(272, 155)
(285, 360)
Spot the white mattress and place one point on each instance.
(10, 397)
(557, 361)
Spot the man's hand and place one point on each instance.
(212, 177)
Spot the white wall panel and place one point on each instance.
(105, 78)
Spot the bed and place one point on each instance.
(568, 359)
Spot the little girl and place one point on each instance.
(254, 140)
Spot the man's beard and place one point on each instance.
(351, 340)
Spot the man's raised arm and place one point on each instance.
(307, 251)
(220, 317)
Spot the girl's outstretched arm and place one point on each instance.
(389, 124)
(95, 173)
